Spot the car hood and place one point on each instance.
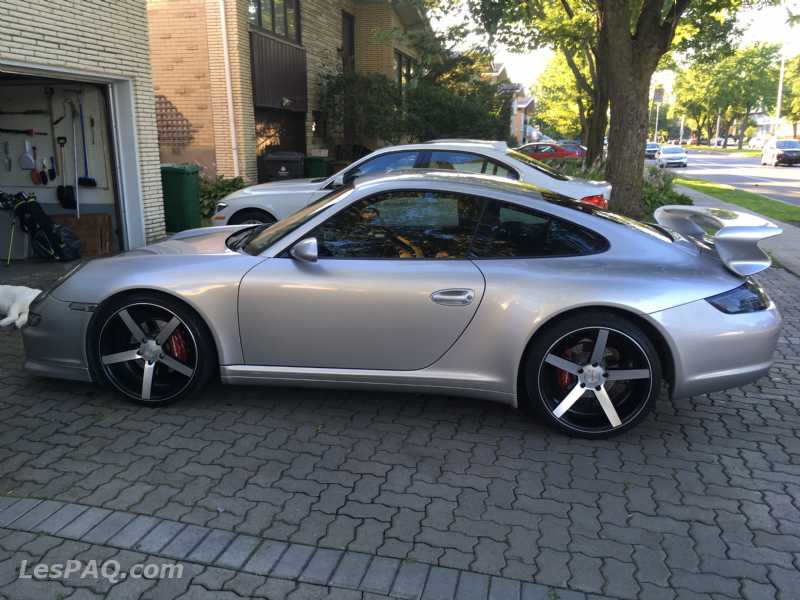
(279, 187)
(207, 240)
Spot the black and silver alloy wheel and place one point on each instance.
(595, 380)
(151, 350)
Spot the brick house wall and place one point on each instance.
(98, 37)
(189, 73)
(188, 67)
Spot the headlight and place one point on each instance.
(747, 298)
(220, 207)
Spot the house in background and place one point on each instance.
(237, 79)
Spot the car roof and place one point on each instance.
(474, 183)
(454, 144)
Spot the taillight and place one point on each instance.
(598, 200)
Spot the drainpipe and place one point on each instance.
(229, 88)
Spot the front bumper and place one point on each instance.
(55, 346)
(714, 351)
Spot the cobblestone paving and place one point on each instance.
(462, 498)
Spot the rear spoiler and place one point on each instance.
(735, 235)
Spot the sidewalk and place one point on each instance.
(785, 249)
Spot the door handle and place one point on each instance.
(455, 297)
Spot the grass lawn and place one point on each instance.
(730, 150)
(772, 209)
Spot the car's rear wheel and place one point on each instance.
(251, 216)
(151, 348)
(592, 375)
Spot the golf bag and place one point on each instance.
(49, 240)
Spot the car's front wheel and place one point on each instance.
(251, 216)
(151, 348)
(592, 375)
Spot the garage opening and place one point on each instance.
(57, 143)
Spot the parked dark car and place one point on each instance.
(651, 149)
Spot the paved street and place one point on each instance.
(780, 183)
(283, 493)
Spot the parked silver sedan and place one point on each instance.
(431, 282)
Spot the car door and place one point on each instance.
(392, 288)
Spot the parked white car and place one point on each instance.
(781, 152)
(672, 156)
(269, 202)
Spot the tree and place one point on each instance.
(791, 93)
(561, 105)
(627, 41)
(693, 97)
(746, 81)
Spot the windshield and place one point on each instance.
(652, 145)
(263, 237)
(536, 164)
(788, 144)
(672, 150)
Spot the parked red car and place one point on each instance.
(553, 151)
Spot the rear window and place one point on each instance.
(536, 164)
(788, 144)
(510, 231)
(674, 150)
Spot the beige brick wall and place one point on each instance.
(101, 37)
(179, 57)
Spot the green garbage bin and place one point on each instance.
(316, 166)
(181, 187)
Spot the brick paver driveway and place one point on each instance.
(278, 493)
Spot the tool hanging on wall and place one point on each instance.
(52, 172)
(91, 126)
(48, 92)
(84, 181)
(43, 174)
(65, 193)
(35, 170)
(26, 161)
(28, 132)
(7, 162)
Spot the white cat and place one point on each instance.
(15, 301)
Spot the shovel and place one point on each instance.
(26, 160)
(85, 181)
(35, 177)
(64, 193)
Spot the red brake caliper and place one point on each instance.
(176, 346)
(565, 378)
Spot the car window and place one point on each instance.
(467, 162)
(788, 144)
(402, 224)
(511, 231)
(536, 164)
(391, 161)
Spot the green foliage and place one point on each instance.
(658, 190)
(214, 190)
(451, 99)
(360, 108)
(560, 105)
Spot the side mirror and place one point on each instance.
(338, 181)
(305, 250)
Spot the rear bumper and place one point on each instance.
(55, 346)
(714, 351)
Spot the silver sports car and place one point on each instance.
(433, 282)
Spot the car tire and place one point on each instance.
(151, 348)
(251, 216)
(590, 397)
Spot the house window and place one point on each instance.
(280, 17)
(404, 70)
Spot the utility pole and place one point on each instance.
(655, 133)
(680, 137)
(716, 135)
(658, 98)
(780, 94)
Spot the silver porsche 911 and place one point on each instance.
(433, 282)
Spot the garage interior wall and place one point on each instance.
(105, 40)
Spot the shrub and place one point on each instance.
(214, 190)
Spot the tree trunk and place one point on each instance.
(627, 138)
(598, 122)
